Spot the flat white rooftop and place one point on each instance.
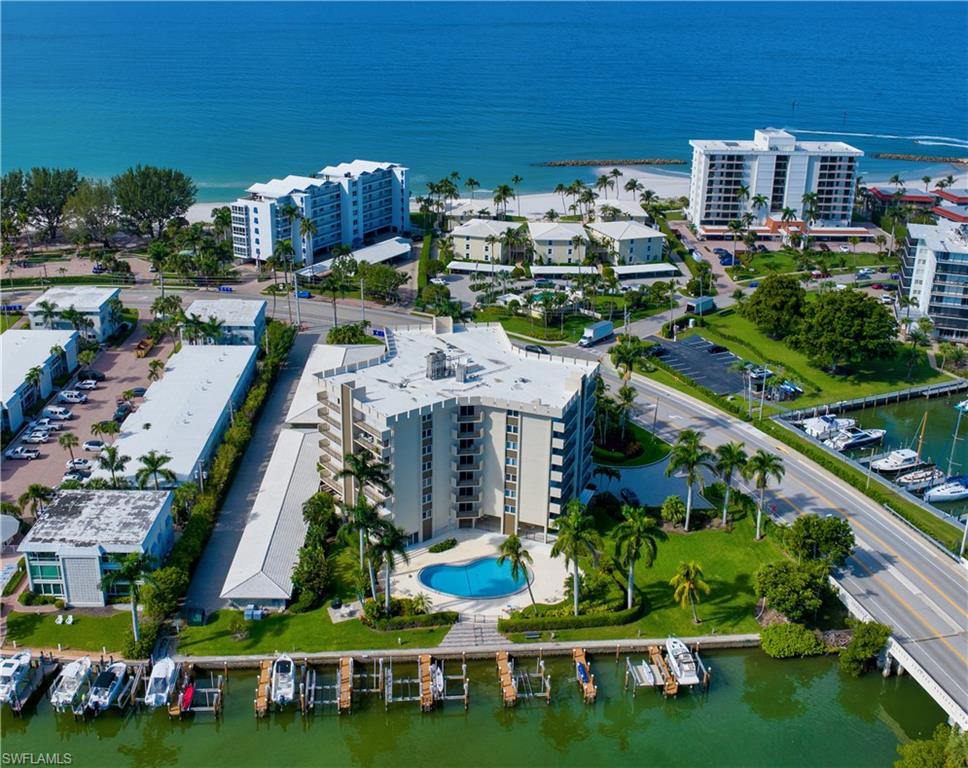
(626, 206)
(357, 168)
(946, 235)
(564, 269)
(21, 350)
(496, 371)
(304, 408)
(275, 188)
(478, 266)
(731, 146)
(624, 230)
(385, 250)
(484, 227)
(554, 230)
(275, 529)
(648, 269)
(180, 411)
(115, 521)
(235, 312)
(84, 298)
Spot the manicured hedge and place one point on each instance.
(542, 623)
(438, 619)
(443, 546)
(784, 641)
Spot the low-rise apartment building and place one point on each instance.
(476, 431)
(629, 242)
(31, 361)
(98, 310)
(475, 240)
(243, 321)
(934, 272)
(558, 242)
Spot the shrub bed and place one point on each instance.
(784, 641)
(437, 619)
(443, 546)
(18, 576)
(582, 621)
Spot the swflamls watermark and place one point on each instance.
(36, 758)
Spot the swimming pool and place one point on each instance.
(480, 578)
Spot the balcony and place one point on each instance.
(557, 444)
(473, 497)
(474, 466)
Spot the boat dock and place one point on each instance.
(505, 674)
(344, 680)
(193, 696)
(584, 675)
(665, 678)
(655, 673)
(263, 683)
(425, 672)
(42, 672)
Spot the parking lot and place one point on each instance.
(123, 371)
(703, 362)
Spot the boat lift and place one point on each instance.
(204, 698)
(521, 683)
(655, 673)
(41, 672)
(431, 684)
(584, 675)
(313, 692)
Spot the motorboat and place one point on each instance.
(855, 437)
(681, 662)
(14, 677)
(921, 477)
(107, 686)
(187, 694)
(952, 489)
(962, 406)
(283, 681)
(822, 427)
(161, 683)
(69, 683)
(438, 684)
(897, 461)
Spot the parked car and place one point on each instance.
(138, 391)
(817, 274)
(823, 247)
(22, 453)
(887, 299)
(844, 248)
(97, 269)
(44, 425)
(35, 438)
(96, 446)
(72, 396)
(74, 475)
(90, 374)
(438, 281)
(715, 349)
(877, 286)
(80, 465)
(58, 412)
(721, 251)
(87, 384)
(121, 412)
(537, 349)
(895, 275)
(760, 248)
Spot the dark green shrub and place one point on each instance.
(160, 597)
(438, 619)
(783, 641)
(866, 644)
(142, 649)
(540, 623)
(443, 546)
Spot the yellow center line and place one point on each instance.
(935, 633)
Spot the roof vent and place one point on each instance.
(437, 367)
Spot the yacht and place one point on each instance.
(107, 686)
(681, 662)
(14, 677)
(283, 681)
(897, 461)
(952, 489)
(822, 427)
(855, 437)
(69, 683)
(164, 675)
(921, 477)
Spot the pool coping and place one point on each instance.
(465, 563)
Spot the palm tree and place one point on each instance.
(730, 458)
(626, 354)
(635, 541)
(735, 226)
(391, 542)
(551, 214)
(516, 181)
(634, 186)
(134, 570)
(512, 551)
(35, 498)
(759, 201)
(153, 467)
(616, 174)
(111, 461)
(48, 312)
(363, 519)
(625, 399)
(472, 184)
(561, 190)
(688, 583)
(742, 193)
(68, 441)
(155, 369)
(502, 193)
(689, 455)
(283, 252)
(576, 537)
(307, 231)
(34, 377)
(788, 214)
(365, 470)
(761, 468)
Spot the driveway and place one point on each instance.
(213, 566)
(123, 371)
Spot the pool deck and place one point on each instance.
(547, 580)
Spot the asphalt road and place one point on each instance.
(902, 580)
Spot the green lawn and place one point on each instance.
(87, 633)
(653, 450)
(8, 320)
(746, 340)
(573, 327)
(728, 560)
(786, 261)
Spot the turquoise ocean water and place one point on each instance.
(234, 93)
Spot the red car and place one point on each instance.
(878, 286)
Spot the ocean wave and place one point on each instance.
(941, 144)
(223, 184)
(918, 139)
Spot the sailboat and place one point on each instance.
(952, 489)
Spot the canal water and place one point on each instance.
(759, 712)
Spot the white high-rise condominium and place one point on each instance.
(771, 173)
(476, 432)
(348, 204)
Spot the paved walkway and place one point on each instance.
(471, 634)
(214, 563)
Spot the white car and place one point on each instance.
(88, 384)
(72, 396)
(25, 454)
(44, 425)
(96, 446)
(35, 438)
(844, 249)
(887, 299)
(80, 465)
(438, 281)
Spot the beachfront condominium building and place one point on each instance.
(558, 242)
(934, 272)
(628, 242)
(776, 170)
(348, 204)
(82, 535)
(476, 431)
(481, 240)
(96, 310)
(30, 363)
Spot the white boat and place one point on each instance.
(921, 477)
(897, 461)
(164, 675)
(953, 489)
(67, 687)
(822, 427)
(14, 677)
(107, 686)
(854, 437)
(438, 680)
(962, 406)
(283, 681)
(681, 662)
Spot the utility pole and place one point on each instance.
(295, 287)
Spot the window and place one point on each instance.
(426, 514)
(511, 445)
(510, 493)
(513, 429)
(427, 498)
(512, 461)
(427, 466)
(509, 509)
(428, 449)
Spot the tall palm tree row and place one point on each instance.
(730, 458)
(761, 468)
(576, 537)
(635, 538)
(690, 456)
